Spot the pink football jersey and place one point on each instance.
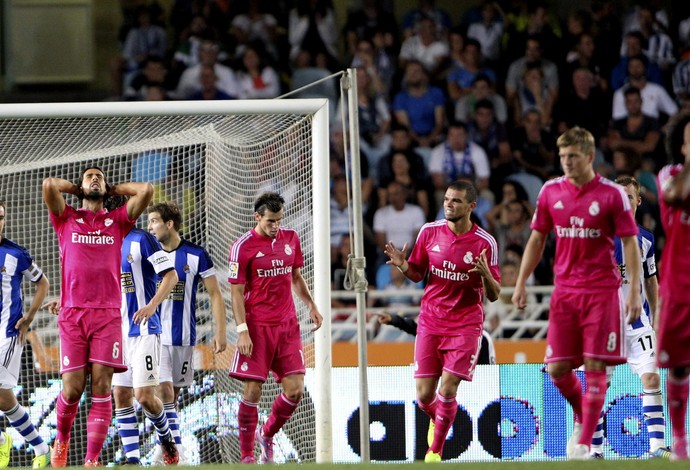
(585, 221)
(264, 265)
(452, 298)
(90, 256)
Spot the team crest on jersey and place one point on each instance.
(288, 250)
(594, 208)
(468, 257)
(244, 366)
(130, 258)
(108, 222)
(65, 361)
(233, 270)
(186, 268)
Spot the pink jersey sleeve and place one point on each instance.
(419, 258)
(541, 221)
(239, 261)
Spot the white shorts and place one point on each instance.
(641, 347)
(11, 357)
(143, 356)
(176, 365)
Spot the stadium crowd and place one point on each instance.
(481, 96)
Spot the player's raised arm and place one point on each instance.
(52, 193)
(140, 197)
(220, 340)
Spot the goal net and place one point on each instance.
(213, 159)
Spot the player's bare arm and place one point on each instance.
(220, 340)
(244, 340)
(651, 286)
(53, 306)
(24, 323)
(53, 188)
(633, 304)
(140, 197)
(491, 286)
(164, 289)
(299, 285)
(398, 259)
(533, 253)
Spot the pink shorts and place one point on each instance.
(673, 334)
(90, 336)
(456, 355)
(586, 325)
(277, 348)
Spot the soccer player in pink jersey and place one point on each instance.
(460, 261)
(673, 333)
(586, 320)
(264, 270)
(89, 321)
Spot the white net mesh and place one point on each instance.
(213, 166)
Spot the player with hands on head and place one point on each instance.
(17, 265)
(587, 316)
(90, 240)
(673, 333)
(264, 270)
(460, 261)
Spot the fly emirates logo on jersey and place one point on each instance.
(93, 238)
(448, 272)
(277, 268)
(577, 229)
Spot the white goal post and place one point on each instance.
(213, 159)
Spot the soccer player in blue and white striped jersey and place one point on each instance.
(178, 312)
(147, 277)
(640, 335)
(15, 265)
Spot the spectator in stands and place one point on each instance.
(401, 141)
(584, 105)
(392, 280)
(399, 221)
(533, 94)
(497, 311)
(368, 20)
(190, 80)
(482, 89)
(187, 52)
(338, 165)
(533, 147)
(681, 80)
(209, 89)
(426, 9)
(147, 39)
(255, 25)
(510, 192)
(416, 184)
(636, 130)
(516, 71)
(489, 31)
(456, 158)
(256, 79)
(312, 28)
(376, 62)
(456, 46)
(584, 56)
(420, 107)
(536, 23)
(461, 78)
(341, 252)
(655, 99)
(658, 45)
(516, 230)
(634, 47)
(484, 130)
(424, 47)
(374, 120)
(155, 92)
(153, 72)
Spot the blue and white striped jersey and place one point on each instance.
(178, 311)
(646, 242)
(143, 260)
(15, 264)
